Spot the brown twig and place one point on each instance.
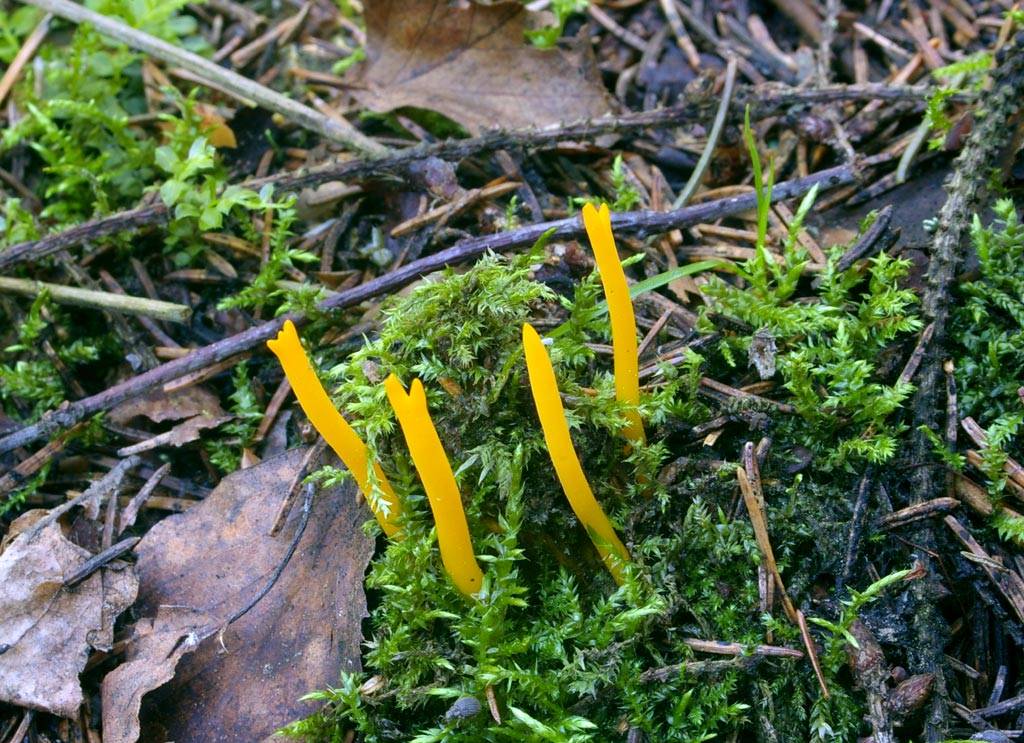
(860, 508)
(1009, 584)
(720, 647)
(131, 509)
(28, 49)
(106, 486)
(868, 243)
(918, 511)
(34, 463)
(812, 652)
(695, 668)
(34, 250)
(100, 559)
(749, 477)
(914, 361)
(763, 102)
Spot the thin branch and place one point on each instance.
(34, 250)
(967, 189)
(335, 129)
(61, 294)
(641, 224)
(27, 51)
(868, 243)
(100, 559)
(106, 486)
(765, 101)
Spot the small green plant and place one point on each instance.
(827, 349)
(988, 345)
(15, 500)
(348, 61)
(625, 196)
(16, 223)
(952, 459)
(968, 74)
(225, 451)
(266, 286)
(830, 715)
(196, 193)
(92, 159)
(15, 25)
(161, 18)
(34, 379)
(547, 36)
(835, 648)
(989, 324)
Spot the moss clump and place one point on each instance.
(566, 654)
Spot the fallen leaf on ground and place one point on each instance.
(184, 433)
(474, 65)
(46, 630)
(160, 406)
(154, 650)
(215, 559)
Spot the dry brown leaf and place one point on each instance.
(184, 433)
(46, 630)
(473, 65)
(156, 647)
(160, 406)
(219, 134)
(216, 558)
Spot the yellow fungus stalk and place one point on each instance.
(620, 309)
(577, 490)
(438, 481)
(328, 421)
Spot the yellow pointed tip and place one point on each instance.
(569, 471)
(287, 336)
(439, 483)
(342, 438)
(416, 392)
(394, 389)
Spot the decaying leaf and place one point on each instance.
(46, 630)
(214, 560)
(159, 406)
(154, 650)
(473, 65)
(762, 353)
(184, 433)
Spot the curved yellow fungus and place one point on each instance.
(328, 421)
(439, 483)
(620, 309)
(563, 456)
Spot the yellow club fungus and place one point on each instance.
(620, 309)
(328, 421)
(438, 481)
(563, 456)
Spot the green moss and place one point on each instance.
(32, 380)
(563, 649)
(988, 329)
